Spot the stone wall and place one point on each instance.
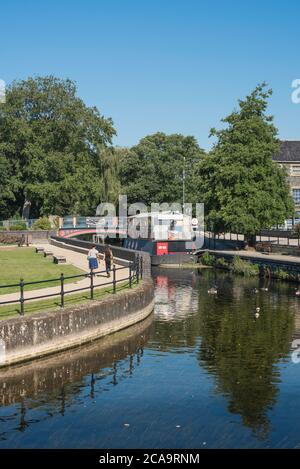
(34, 236)
(28, 337)
(50, 374)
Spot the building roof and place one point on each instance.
(289, 152)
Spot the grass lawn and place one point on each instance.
(16, 263)
(7, 312)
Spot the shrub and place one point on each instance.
(207, 259)
(221, 263)
(20, 226)
(42, 224)
(281, 274)
(239, 266)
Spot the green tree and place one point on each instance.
(49, 143)
(242, 188)
(6, 188)
(110, 170)
(152, 170)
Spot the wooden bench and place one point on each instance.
(59, 260)
(48, 253)
(264, 247)
(39, 249)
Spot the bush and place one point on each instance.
(42, 224)
(207, 259)
(221, 263)
(281, 274)
(241, 267)
(2, 228)
(20, 226)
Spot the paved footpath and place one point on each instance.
(259, 255)
(78, 260)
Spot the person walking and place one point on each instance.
(109, 259)
(93, 256)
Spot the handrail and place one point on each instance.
(135, 272)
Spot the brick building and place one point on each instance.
(289, 157)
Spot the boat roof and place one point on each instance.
(164, 215)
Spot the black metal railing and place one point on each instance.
(135, 274)
(279, 238)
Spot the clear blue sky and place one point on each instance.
(168, 65)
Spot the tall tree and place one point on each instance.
(49, 142)
(152, 171)
(242, 188)
(6, 187)
(110, 169)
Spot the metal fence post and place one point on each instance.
(92, 284)
(141, 267)
(22, 296)
(62, 292)
(130, 275)
(137, 261)
(114, 279)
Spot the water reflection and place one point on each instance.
(242, 351)
(202, 370)
(239, 350)
(58, 381)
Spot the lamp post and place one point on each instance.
(183, 184)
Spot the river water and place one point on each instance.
(201, 372)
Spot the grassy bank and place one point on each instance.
(16, 263)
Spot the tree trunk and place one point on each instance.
(250, 240)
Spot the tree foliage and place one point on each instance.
(110, 173)
(152, 170)
(49, 143)
(242, 188)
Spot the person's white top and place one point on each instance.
(93, 253)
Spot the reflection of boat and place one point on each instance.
(169, 236)
(171, 302)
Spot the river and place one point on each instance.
(201, 372)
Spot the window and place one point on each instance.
(296, 195)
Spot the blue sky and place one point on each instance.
(168, 65)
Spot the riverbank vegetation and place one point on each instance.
(246, 268)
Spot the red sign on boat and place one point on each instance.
(161, 249)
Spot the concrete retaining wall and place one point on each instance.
(25, 338)
(122, 255)
(34, 236)
(50, 374)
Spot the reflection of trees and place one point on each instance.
(240, 351)
(57, 381)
